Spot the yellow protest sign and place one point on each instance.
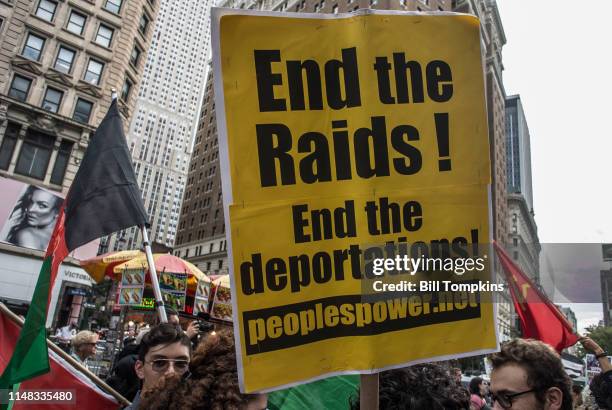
(346, 141)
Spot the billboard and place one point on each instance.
(28, 214)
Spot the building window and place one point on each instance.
(143, 24)
(125, 91)
(52, 99)
(20, 88)
(82, 110)
(64, 60)
(114, 6)
(61, 163)
(34, 155)
(94, 72)
(8, 144)
(76, 23)
(33, 47)
(46, 9)
(104, 36)
(135, 56)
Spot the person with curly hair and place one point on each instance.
(528, 375)
(211, 385)
(420, 387)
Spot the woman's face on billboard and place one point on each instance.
(41, 210)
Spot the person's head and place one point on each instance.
(576, 394)
(456, 374)
(529, 374)
(84, 344)
(141, 335)
(601, 391)
(419, 387)
(173, 316)
(212, 384)
(40, 207)
(164, 350)
(478, 386)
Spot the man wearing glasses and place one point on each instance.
(166, 349)
(529, 375)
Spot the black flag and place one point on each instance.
(104, 196)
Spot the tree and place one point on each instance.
(602, 335)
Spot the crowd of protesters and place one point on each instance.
(166, 367)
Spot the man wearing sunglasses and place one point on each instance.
(529, 375)
(165, 350)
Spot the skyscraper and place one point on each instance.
(518, 148)
(524, 243)
(166, 115)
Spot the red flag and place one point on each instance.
(62, 377)
(540, 318)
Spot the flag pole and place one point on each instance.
(159, 302)
(368, 392)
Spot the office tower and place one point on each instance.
(166, 116)
(524, 243)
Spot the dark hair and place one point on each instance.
(576, 388)
(419, 387)
(212, 385)
(163, 334)
(474, 387)
(601, 391)
(22, 205)
(170, 311)
(543, 366)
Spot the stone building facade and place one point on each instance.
(59, 61)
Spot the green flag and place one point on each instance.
(30, 357)
(332, 394)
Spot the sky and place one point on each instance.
(557, 57)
